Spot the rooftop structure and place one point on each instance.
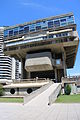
(45, 47)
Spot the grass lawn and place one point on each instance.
(12, 100)
(68, 99)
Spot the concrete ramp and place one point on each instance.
(45, 95)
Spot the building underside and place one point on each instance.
(44, 53)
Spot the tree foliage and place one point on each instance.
(67, 89)
(1, 90)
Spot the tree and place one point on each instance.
(1, 90)
(67, 89)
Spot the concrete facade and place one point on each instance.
(46, 47)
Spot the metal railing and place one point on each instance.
(38, 80)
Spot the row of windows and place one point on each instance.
(38, 39)
(40, 25)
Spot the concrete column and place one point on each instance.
(64, 64)
(23, 71)
(21, 68)
(28, 75)
(56, 74)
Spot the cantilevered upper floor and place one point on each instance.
(58, 34)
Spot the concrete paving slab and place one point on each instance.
(38, 109)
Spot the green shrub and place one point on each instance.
(67, 89)
(1, 90)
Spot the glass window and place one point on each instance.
(32, 27)
(58, 35)
(45, 37)
(26, 29)
(10, 32)
(58, 61)
(72, 22)
(44, 25)
(56, 23)
(63, 23)
(21, 29)
(64, 34)
(51, 36)
(38, 26)
(50, 24)
(63, 20)
(5, 33)
(16, 31)
(70, 19)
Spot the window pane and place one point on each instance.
(44, 25)
(16, 31)
(51, 36)
(62, 20)
(32, 27)
(10, 32)
(26, 29)
(21, 29)
(56, 23)
(38, 26)
(5, 33)
(50, 24)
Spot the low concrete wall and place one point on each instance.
(35, 93)
(55, 93)
(21, 92)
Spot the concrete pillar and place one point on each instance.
(56, 74)
(21, 68)
(23, 71)
(64, 64)
(28, 75)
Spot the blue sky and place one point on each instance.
(19, 11)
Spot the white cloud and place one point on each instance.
(37, 5)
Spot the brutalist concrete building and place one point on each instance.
(45, 47)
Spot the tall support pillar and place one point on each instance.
(64, 64)
(28, 75)
(56, 74)
(21, 68)
(23, 71)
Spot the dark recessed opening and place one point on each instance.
(12, 91)
(29, 90)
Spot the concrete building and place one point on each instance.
(15, 69)
(45, 47)
(7, 63)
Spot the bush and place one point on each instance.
(67, 89)
(1, 90)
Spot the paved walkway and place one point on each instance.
(9, 111)
(38, 109)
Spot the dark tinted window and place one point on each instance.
(56, 23)
(44, 25)
(26, 29)
(51, 36)
(50, 24)
(38, 27)
(11, 33)
(63, 20)
(16, 31)
(32, 27)
(21, 29)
